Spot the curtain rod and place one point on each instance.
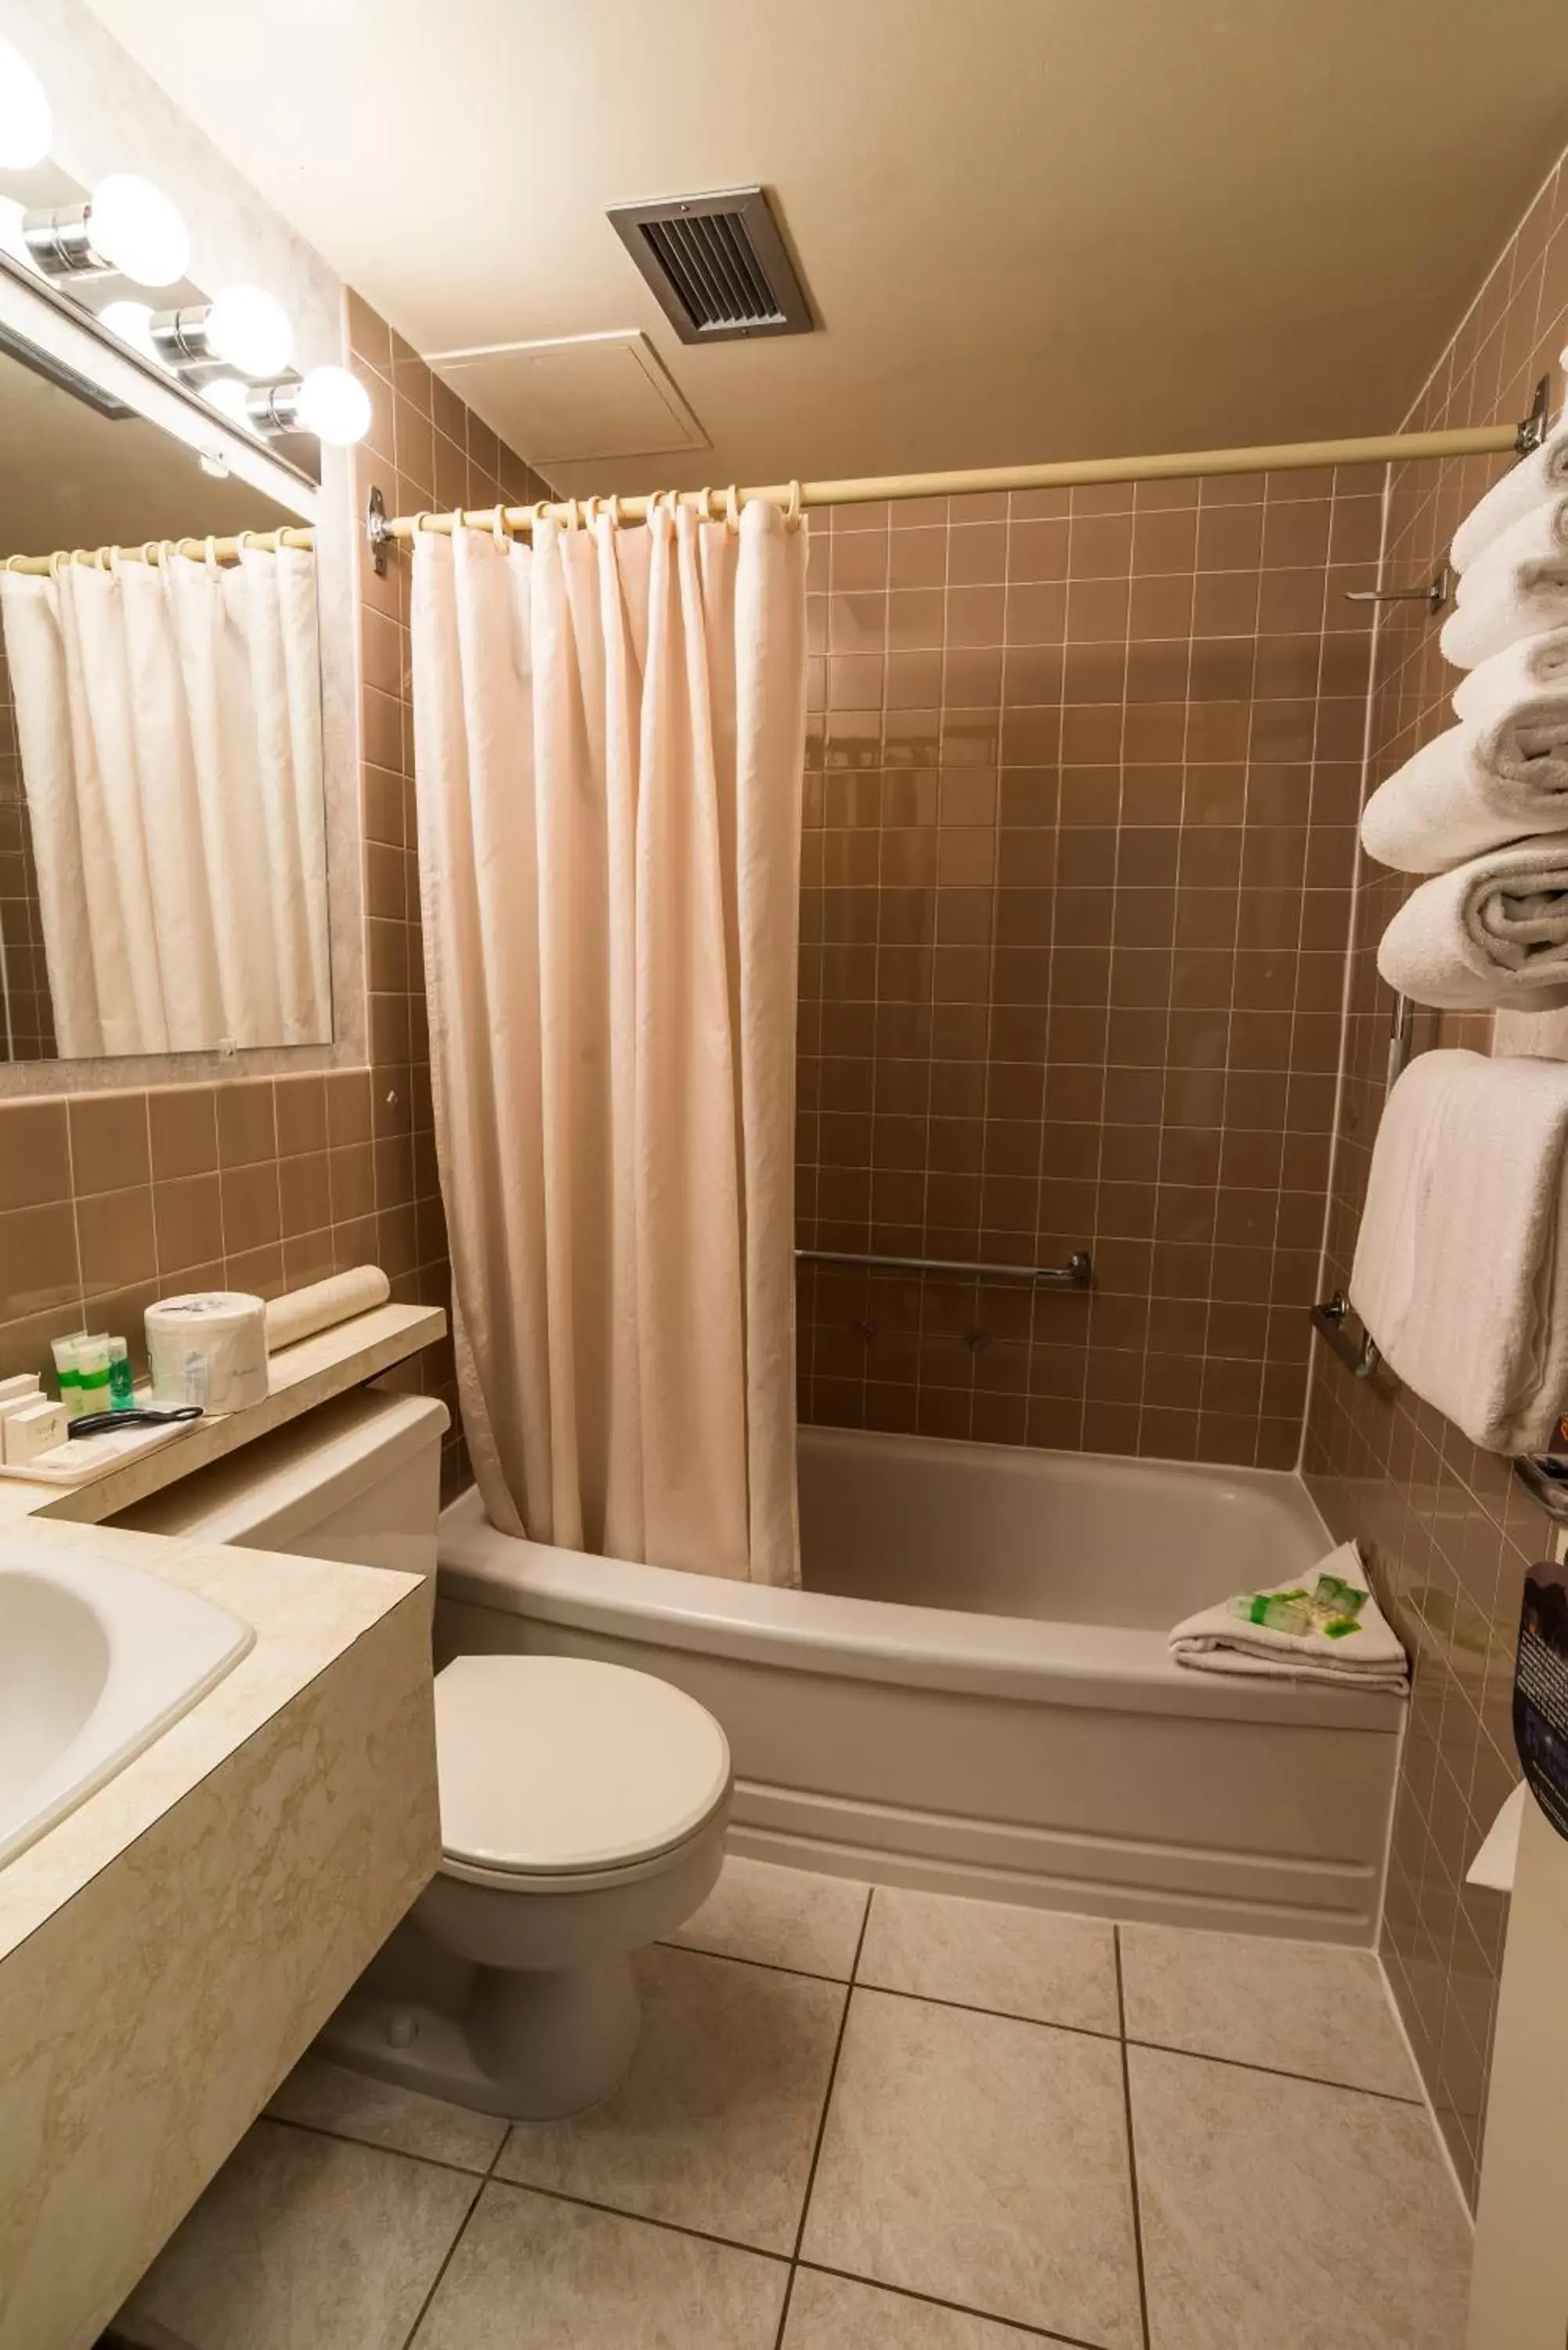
(224, 550)
(1290, 456)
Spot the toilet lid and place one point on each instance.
(555, 1763)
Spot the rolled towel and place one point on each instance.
(1533, 665)
(1368, 1658)
(1518, 587)
(1460, 1270)
(1542, 474)
(1498, 776)
(1491, 935)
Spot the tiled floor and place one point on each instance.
(871, 2122)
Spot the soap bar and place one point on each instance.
(37, 1428)
(25, 1384)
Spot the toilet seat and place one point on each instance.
(562, 1772)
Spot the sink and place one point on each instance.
(96, 1660)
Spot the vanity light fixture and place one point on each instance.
(12, 241)
(230, 397)
(127, 226)
(244, 329)
(133, 323)
(329, 401)
(26, 123)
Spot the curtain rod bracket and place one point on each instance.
(1532, 429)
(380, 536)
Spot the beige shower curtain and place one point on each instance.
(169, 717)
(609, 733)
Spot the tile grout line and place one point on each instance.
(1054, 2024)
(822, 2123)
(1132, 2148)
(934, 2301)
(458, 2235)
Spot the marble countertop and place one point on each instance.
(306, 1612)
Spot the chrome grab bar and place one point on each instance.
(1078, 1273)
(1329, 1319)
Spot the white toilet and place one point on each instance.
(583, 1808)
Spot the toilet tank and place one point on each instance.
(356, 1479)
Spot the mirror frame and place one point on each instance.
(62, 330)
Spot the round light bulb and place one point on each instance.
(132, 322)
(27, 124)
(12, 215)
(228, 395)
(335, 406)
(248, 330)
(135, 228)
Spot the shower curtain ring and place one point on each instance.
(704, 504)
(791, 511)
(498, 526)
(613, 503)
(732, 507)
(574, 514)
(210, 554)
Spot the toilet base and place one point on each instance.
(533, 2047)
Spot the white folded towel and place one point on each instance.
(1517, 588)
(1369, 1658)
(1461, 1271)
(1500, 775)
(1533, 665)
(1542, 474)
(1490, 935)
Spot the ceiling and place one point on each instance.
(1030, 228)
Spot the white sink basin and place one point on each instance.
(96, 1660)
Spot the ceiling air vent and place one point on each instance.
(717, 265)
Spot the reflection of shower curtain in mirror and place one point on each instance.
(169, 717)
(609, 736)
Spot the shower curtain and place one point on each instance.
(610, 734)
(169, 719)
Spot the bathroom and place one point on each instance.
(666, 1755)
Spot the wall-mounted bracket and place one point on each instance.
(376, 530)
(1533, 427)
(1434, 592)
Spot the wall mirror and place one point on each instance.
(163, 824)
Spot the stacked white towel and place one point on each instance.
(1370, 1657)
(1490, 935)
(1542, 474)
(1516, 588)
(1461, 1263)
(1499, 776)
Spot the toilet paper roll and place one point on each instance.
(303, 1312)
(208, 1348)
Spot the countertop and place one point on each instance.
(306, 1612)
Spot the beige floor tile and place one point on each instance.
(1032, 1962)
(299, 2242)
(1282, 2213)
(331, 2097)
(535, 2275)
(714, 2126)
(783, 1917)
(829, 2313)
(1297, 2007)
(984, 2161)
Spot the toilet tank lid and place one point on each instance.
(552, 1764)
(298, 1475)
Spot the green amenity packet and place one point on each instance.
(1330, 1608)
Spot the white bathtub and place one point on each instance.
(972, 1693)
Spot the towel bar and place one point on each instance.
(1078, 1273)
(1329, 1319)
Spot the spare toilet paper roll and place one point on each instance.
(303, 1312)
(208, 1348)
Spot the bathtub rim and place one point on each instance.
(1026, 1660)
